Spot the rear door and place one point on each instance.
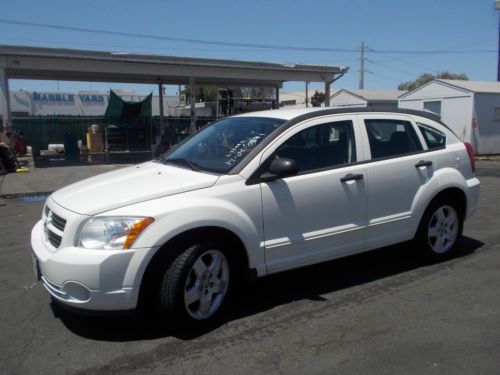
(398, 169)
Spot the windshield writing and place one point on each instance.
(222, 145)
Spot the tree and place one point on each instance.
(427, 77)
(317, 99)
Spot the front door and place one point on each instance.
(319, 213)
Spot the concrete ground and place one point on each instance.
(386, 311)
(43, 180)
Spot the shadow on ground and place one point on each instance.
(307, 283)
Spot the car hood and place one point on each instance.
(128, 186)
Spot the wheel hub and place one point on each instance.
(443, 229)
(206, 284)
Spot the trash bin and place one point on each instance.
(71, 150)
(35, 149)
(7, 158)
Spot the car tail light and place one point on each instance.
(470, 151)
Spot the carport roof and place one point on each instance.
(100, 66)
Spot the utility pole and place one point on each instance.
(497, 7)
(362, 67)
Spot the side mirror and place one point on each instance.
(280, 168)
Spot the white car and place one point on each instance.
(249, 196)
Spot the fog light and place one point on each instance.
(77, 291)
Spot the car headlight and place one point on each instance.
(112, 232)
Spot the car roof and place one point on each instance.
(284, 114)
(289, 114)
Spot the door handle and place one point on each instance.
(423, 163)
(351, 177)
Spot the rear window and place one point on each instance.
(391, 138)
(433, 137)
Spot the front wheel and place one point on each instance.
(196, 283)
(440, 229)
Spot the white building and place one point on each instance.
(366, 98)
(297, 98)
(346, 98)
(470, 108)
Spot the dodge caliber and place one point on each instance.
(249, 196)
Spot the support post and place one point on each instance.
(162, 123)
(307, 94)
(327, 94)
(498, 57)
(4, 100)
(277, 95)
(497, 8)
(192, 87)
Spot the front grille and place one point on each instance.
(54, 227)
(58, 222)
(54, 239)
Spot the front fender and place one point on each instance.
(177, 215)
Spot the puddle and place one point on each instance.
(27, 197)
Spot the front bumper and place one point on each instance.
(88, 279)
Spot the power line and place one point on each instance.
(433, 51)
(406, 62)
(233, 44)
(388, 66)
(173, 39)
(126, 46)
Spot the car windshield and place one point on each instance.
(220, 146)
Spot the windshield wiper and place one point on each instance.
(185, 162)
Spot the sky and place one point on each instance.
(403, 38)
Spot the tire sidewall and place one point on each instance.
(174, 304)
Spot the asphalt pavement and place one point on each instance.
(384, 312)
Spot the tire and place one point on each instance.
(440, 229)
(196, 283)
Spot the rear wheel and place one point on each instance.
(440, 229)
(196, 284)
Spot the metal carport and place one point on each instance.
(21, 62)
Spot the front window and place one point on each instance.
(322, 146)
(222, 145)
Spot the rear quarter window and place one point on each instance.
(433, 138)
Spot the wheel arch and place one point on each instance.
(150, 279)
(453, 193)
